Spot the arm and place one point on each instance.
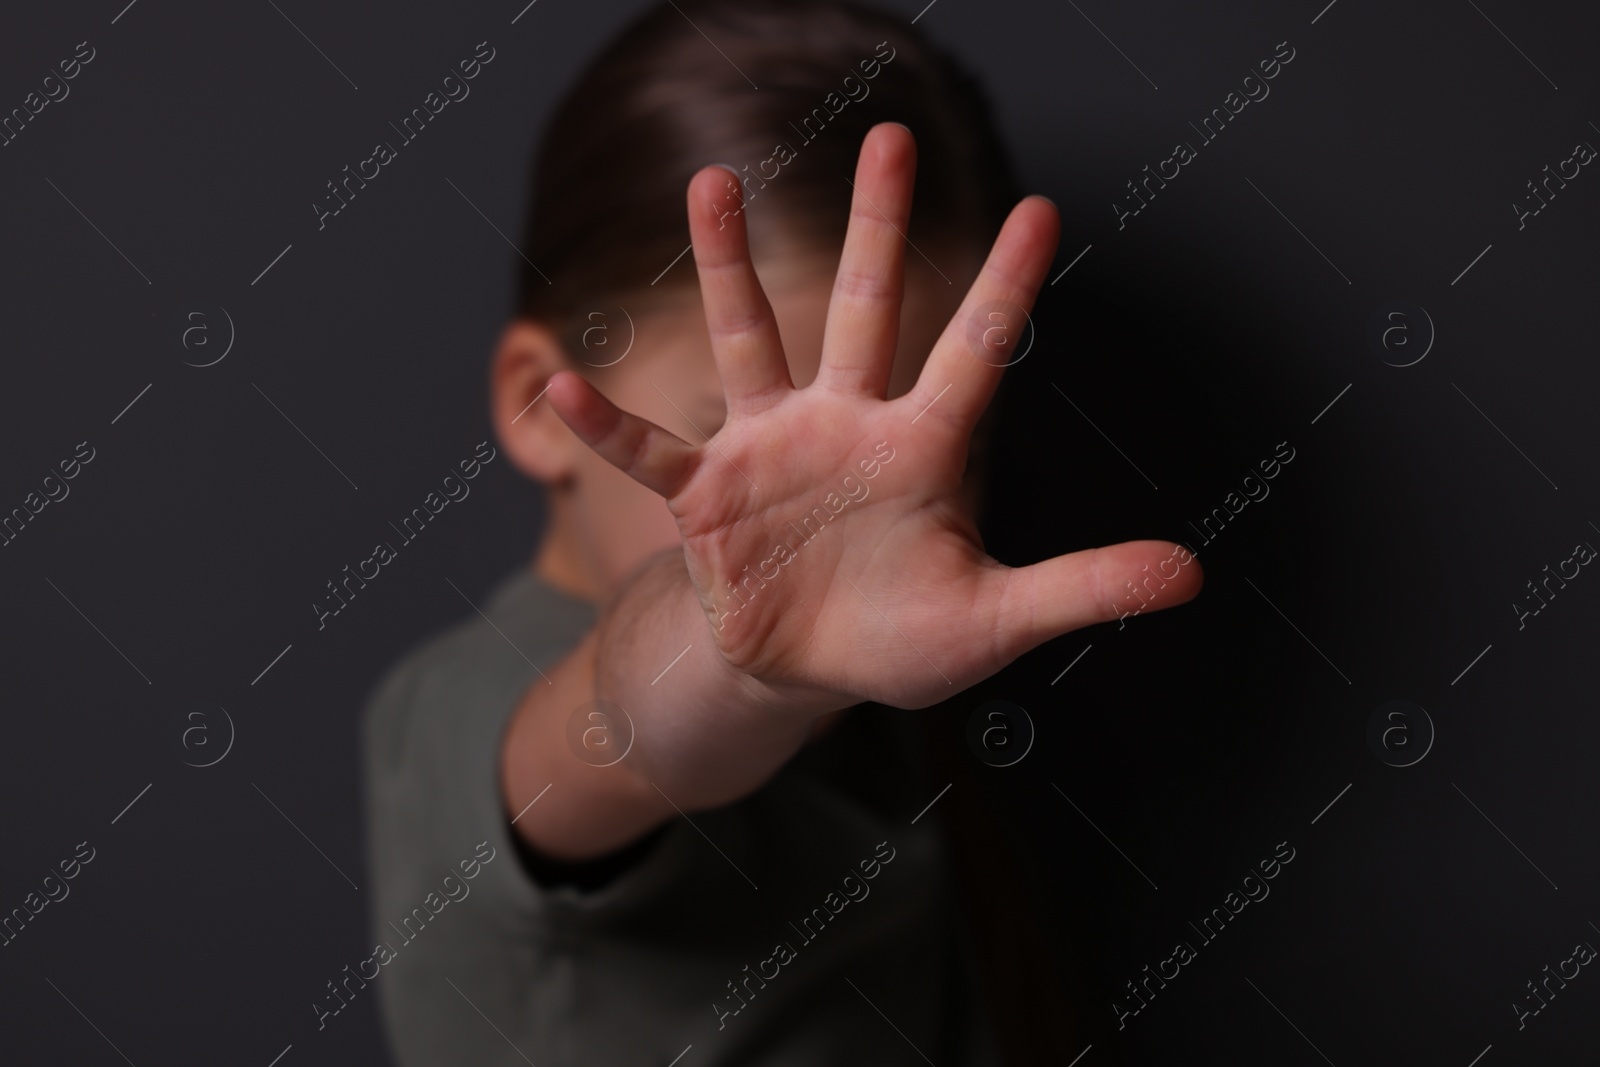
(706, 734)
(850, 502)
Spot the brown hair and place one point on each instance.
(607, 217)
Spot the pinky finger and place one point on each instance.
(655, 458)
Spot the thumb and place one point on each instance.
(1094, 585)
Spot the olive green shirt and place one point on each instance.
(812, 922)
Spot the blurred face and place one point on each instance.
(669, 377)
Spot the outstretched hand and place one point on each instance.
(824, 528)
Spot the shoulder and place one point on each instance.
(475, 666)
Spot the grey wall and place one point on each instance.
(1179, 350)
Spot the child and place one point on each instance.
(633, 773)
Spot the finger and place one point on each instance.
(653, 457)
(1094, 585)
(864, 312)
(982, 337)
(744, 333)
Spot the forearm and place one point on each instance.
(697, 736)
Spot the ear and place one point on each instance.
(528, 428)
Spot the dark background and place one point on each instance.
(1196, 338)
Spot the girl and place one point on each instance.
(760, 516)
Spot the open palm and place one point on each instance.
(824, 528)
